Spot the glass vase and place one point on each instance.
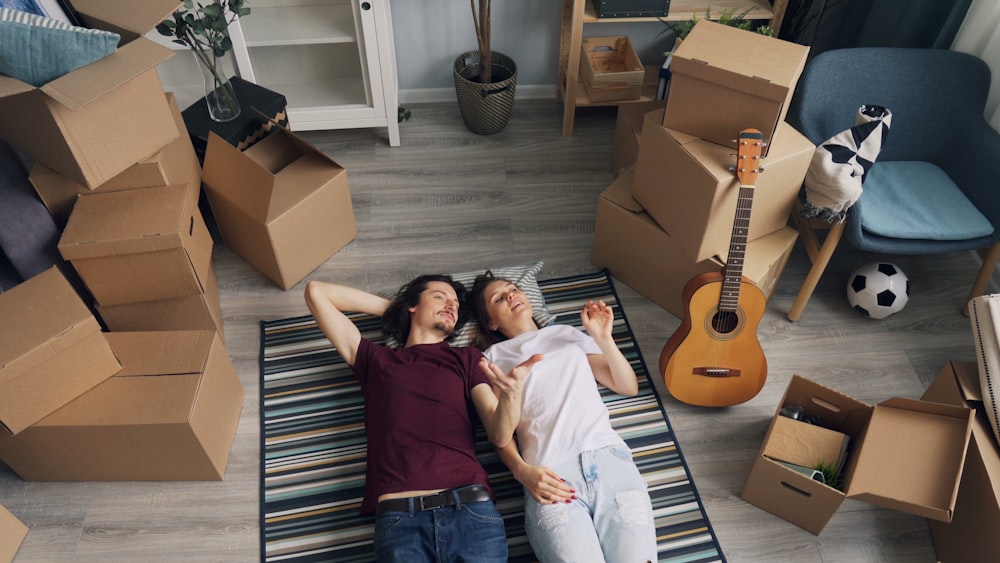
(219, 93)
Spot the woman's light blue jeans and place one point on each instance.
(612, 514)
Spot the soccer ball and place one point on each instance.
(878, 289)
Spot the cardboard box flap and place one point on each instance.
(620, 193)
(967, 376)
(740, 59)
(237, 179)
(161, 352)
(81, 87)
(41, 308)
(10, 86)
(911, 457)
(12, 533)
(145, 220)
(126, 15)
(296, 181)
(836, 410)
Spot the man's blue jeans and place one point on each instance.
(472, 532)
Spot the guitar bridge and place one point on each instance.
(716, 372)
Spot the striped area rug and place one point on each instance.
(313, 445)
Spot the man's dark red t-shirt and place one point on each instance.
(419, 417)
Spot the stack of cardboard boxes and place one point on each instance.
(153, 394)
(669, 214)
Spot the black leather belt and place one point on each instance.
(471, 493)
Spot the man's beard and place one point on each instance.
(444, 329)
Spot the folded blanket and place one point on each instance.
(839, 165)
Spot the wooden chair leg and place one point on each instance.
(807, 232)
(990, 258)
(816, 271)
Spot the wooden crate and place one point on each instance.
(611, 69)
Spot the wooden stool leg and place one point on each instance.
(818, 267)
(990, 257)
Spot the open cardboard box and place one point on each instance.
(972, 533)
(640, 254)
(12, 534)
(52, 350)
(686, 185)
(906, 455)
(725, 79)
(170, 414)
(282, 204)
(156, 246)
(95, 122)
(175, 163)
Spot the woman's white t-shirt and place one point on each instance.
(562, 412)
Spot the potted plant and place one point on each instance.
(728, 17)
(485, 80)
(204, 28)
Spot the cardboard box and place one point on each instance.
(906, 455)
(801, 443)
(51, 350)
(191, 312)
(260, 110)
(12, 534)
(639, 253)
(170, 414)
(95, 122)
(610, 69)
(282, 205)
(138, 245)
(174, 164)
(972, 533)
(628, 128)
(687, 186)
(724, 80)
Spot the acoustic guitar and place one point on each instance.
(714, 358)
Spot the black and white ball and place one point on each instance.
(878, 289)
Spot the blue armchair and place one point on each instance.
(935, 187)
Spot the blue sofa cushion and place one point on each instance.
(917, 200)
(37, 50)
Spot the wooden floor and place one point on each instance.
(448, 200)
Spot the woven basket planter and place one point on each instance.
(485, 107)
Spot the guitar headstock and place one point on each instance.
(749, 145)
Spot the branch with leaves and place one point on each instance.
(205, 29)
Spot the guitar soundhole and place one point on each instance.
(725, 324)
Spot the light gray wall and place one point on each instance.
(430, 34)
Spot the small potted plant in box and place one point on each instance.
(205, 29)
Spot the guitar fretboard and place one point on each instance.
(747, 167)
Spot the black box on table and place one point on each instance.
(258, 106)
(631, 8)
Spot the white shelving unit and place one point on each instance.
(333, 60)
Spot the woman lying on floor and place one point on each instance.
(583, 493)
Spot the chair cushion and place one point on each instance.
(917, 200)
(37, 50)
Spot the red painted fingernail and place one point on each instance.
(568, 501)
